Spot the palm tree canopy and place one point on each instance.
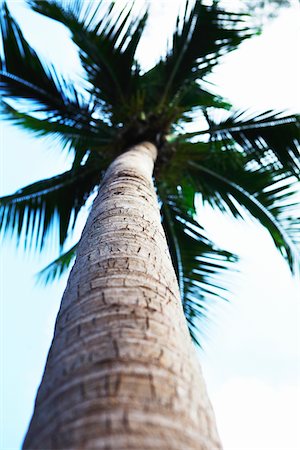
(243, 164)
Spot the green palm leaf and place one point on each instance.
(195, 97)
(61, 112)
(107, 40)
(222, 175)
(202, 36)
(265, 196)
(81, 137)
(23, 75)
(57, 200)
(58, 267)
(199, 264)
(270, 139)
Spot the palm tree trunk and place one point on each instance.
(122, 372)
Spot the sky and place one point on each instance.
(251, 344)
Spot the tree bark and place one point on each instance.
(122, 372)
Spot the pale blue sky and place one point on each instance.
(252, 343)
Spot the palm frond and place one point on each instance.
(222, 175)
(107, 39)
(24, 76)
(202, 36)
(34, 209)
(198, 263)
(58, 267)
(269, 139)
(55, 106)
(282, 198)
(80, 137)
(194, 96)
(266, 196)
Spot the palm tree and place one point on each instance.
(121, 372)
